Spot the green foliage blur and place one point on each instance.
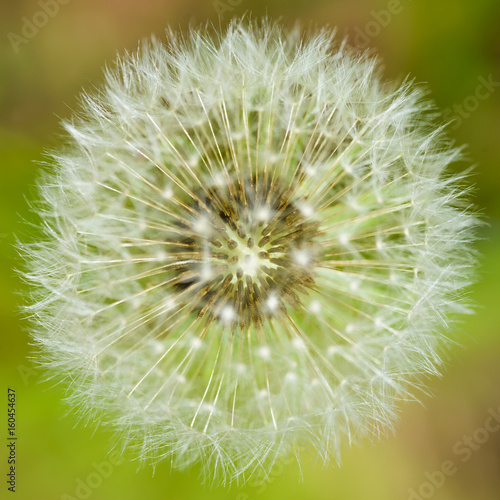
(446, 448)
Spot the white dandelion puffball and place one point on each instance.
(251, 246)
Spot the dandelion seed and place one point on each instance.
(264, 352)
(272, 302)
(196, 343)
(252, 245)
(298, 344)
(315, 307)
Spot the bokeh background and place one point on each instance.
(451, 45)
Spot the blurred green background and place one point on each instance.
(454, 47)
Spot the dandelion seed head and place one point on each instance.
(315, 306)
(196, 343)
(262, 394)
(167, 192)
(332, 350)
(252, 244)
(298, 344)
(272, 301)
(241, 368)
(264, 352)
(227, 314)
(344, 239)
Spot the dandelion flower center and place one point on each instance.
(251, 252)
